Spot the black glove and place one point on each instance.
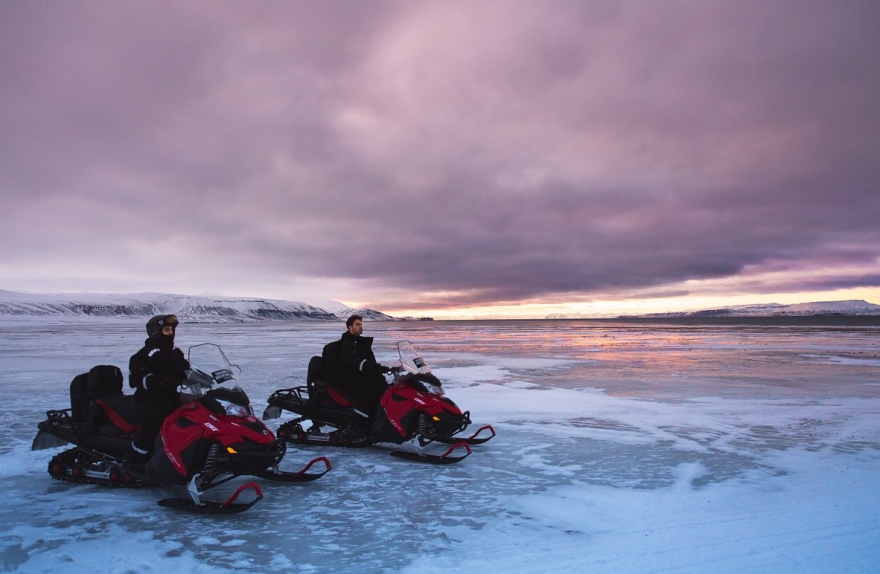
(163, 383)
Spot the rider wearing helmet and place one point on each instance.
(155, 371)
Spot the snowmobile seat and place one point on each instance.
(334, 399)
(320, 393)
(121, 410)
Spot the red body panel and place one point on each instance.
(402, 399)
(199, 423)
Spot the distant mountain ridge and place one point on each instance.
(820, 308)
(851, 307)
(198, 309)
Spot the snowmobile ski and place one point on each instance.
(207, 507)
(444, 458)
(302, 476)
(474, 439)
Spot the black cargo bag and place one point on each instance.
(79, 388)
(105, 380)
(100, 381)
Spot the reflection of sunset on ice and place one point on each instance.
(621, 447)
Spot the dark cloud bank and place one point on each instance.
(468, 152)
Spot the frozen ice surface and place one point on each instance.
(621, 448)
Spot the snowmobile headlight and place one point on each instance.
(235, 409)
(435, 390)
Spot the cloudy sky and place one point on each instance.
(456, 158)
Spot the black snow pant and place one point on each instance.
(364, 393)
(154, 413)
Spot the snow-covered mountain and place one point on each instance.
(198, 309)
(852, 307)
(343, 311)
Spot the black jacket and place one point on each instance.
(351, 360)
(156, 372)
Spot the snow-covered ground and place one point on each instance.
(620, 448)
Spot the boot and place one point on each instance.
(135, 456)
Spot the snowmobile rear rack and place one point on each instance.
(46, 438)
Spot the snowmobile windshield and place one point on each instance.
(411, 360)
(210, 370)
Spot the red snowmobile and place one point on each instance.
(212, 438)
(413, 408)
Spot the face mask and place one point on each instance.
(166, 341)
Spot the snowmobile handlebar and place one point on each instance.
(197, 378)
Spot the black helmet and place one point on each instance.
(155, 324)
